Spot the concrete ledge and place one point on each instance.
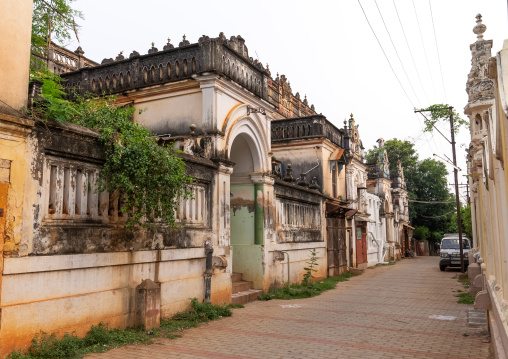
(496, 342)
(34, 264)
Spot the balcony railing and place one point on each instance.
(305, 128)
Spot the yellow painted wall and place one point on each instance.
(15, 27)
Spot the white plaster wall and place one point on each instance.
(72, 292)
(167, 113)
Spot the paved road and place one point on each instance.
(387, 312)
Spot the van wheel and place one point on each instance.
(442, 267)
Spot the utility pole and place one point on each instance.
(455, 172)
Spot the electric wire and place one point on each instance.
(442, 215)
(384, 53)
(437, 50)
(391, 67)
(431, 202)
(397, 53)
(424, 50)
(411, 53)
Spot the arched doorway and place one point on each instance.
(246, 206)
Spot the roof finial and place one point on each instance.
(169, 40)
(351, 115)
(184, 37)
(480, 28)
(153, 44)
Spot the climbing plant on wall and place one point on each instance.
(149, 177)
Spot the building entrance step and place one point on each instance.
(245, 296)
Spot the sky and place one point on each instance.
(328, 51)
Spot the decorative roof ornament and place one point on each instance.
(268, 69)
(314, 184)
(153, 50)
(120, 56)
(289, 174)
(480, 28)
(352, 122)
(168, 46)
(184, 42)
(79, 51)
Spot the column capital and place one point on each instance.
(262, 178)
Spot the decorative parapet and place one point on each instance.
(226, 57)
(61, 60)
(305, 128)
(287, 104)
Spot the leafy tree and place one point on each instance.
(467, 226)
(52, 20)
(442, 112)
(430, 185)
(421, 233)
(397, 150)
(426, 182)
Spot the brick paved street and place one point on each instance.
(387, 312)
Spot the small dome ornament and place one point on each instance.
(480, 28)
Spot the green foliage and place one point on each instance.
(52, 20)
(233, 306)
(296, 291)
(421, 233)
(466, 298)
(467, 225)
(149, 177)
(397, 150)
(442, 112)
(101, 338)
(308, 276)
(425, 181)
(430, 185)
(204, 312)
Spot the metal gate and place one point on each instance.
(336, 245)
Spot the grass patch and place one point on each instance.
(466, 298)
(173, 336)
(233, 306)
(101, 338)
(296, 291)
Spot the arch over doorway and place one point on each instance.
(247, 149)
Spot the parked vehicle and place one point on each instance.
(450, 251)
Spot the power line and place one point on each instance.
(432, 202)
(424, 50)
(411, 53)
(396, 52)
(437, 49)
(384, 53)
(442, 215)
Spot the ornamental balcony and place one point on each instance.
(306, 128)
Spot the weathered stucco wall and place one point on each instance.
(81, 258)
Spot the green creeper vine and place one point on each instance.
(149, 177)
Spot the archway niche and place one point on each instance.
(246, 231)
